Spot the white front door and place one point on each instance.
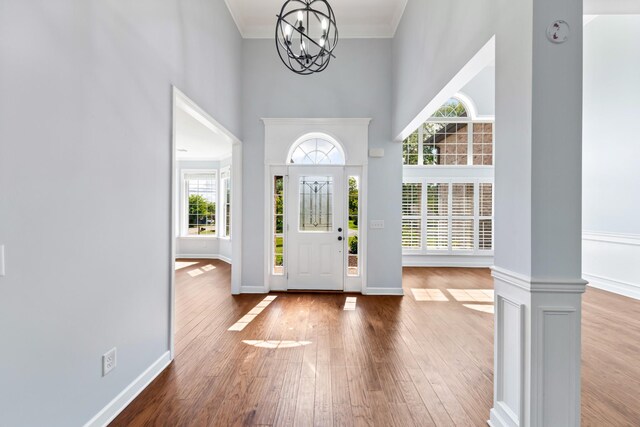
(315, 217)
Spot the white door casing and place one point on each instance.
(316, 228)
(282, 135)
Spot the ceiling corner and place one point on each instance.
(236, 15)
(397, 17)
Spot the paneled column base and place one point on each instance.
(537, 351)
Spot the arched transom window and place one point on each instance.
(452, 108)
(317, 151)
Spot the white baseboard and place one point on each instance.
(626, 289)
(200, 256)
(126, 396)
(253, 290)
(385, 291)
(465, 261)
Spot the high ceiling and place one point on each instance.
(355, 18)
(196, 141)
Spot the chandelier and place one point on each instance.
(306, 34)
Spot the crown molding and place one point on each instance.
(379, 31)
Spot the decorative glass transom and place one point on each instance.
(317, 151)
(452, 108)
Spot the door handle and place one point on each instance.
(340, 230)
(340, 238)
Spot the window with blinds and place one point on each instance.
(462, 218)
(412, 215)
(485, 220)
(457, 216)
(437, 216)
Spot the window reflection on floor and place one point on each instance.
(350, 304)
(428, 294)
(485, 308)
(276, 343)
(479, 295)
(458, 295)
(184, 264)
(247, 318)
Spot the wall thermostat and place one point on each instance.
(558, 32)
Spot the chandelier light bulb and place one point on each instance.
(325, 25)
(287, 32)
(321, 42)
(300, 17)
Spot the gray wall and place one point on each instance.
(85, 137)
(482, 91)
(434, 40)
(356, 84)
(611, 129)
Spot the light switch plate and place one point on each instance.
(376, 224)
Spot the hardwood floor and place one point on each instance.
(308, 359)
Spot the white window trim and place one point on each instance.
(221, 214)
(470, 122)
(184, 204)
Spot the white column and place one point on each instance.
(538, 216)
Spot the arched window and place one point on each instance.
(317, 151)
(452, 108)
(452, 136)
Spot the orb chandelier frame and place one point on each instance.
(306, 35)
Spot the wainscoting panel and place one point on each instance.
(612, 262)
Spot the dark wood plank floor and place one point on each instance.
(424, 360)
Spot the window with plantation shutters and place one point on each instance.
(485, 216)
(462, 218)
(412, 215)
(457, 217)
(437, 229)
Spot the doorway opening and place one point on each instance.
(316, 211)
(206, 195)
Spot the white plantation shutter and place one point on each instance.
(412, 215)
(437, 216)
(462, 234)
(462, 216)
(457, 217)
(485, 221)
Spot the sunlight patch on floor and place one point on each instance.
(247, 318)
(472, 295)
(276, 343)
(421, 294)
(184, 264)
(485, 308)
(208, 267)
(350, 304)
(195, 273)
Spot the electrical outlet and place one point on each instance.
(108, 361)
